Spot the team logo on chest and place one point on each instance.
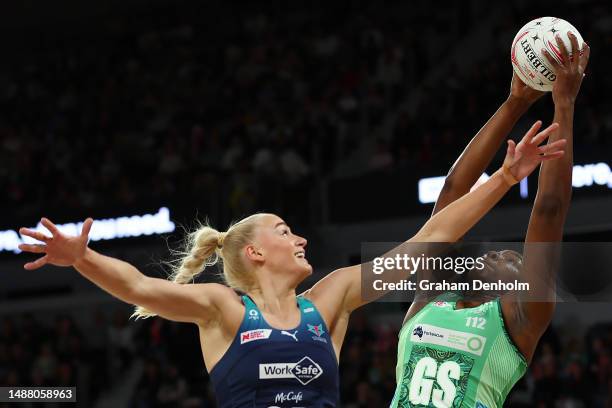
(318, 332)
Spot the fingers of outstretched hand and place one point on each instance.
(49, 225)
(553, 155)
(87, 227)
(543, 135)
(533, 130)
(510, 153)
(34, 248)
(511, 147)
(37, 263)
(34, 234)
(553, 147)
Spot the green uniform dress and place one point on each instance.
(450, 357)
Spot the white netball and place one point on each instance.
(529, 62)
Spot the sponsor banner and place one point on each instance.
(253, 314)
(291, 396)
(305, 370)
(272, 371)
(252, 335)
(455, 339)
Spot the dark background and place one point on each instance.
(324, 113)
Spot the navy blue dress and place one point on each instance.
(269, 368)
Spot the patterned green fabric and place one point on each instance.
(450, 357)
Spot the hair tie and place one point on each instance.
(220, 239)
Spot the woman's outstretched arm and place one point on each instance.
(342, 288)
(479, 152)
(197, 303)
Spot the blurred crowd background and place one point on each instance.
(158, 363)
(235, 108)
(242, 108)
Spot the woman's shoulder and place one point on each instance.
(227, 306)
(216, 289)
(217, 295)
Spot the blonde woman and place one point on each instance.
(263, 345)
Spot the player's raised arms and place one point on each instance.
(550, 207)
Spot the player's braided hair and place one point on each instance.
(206, 247)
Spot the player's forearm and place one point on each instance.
(480, 151)
(449, 225)
(116, 277)
(555, 179)
(458, 217)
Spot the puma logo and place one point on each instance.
(292, 335)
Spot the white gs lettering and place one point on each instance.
(445, 396)
(420, 387)
(422, 382)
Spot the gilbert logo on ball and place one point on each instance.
(529, 62)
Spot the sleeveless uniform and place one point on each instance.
(450, 357)
(268, 368)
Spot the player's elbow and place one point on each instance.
(449, 183)
(551, 206)
(433, 235)
(540, 314)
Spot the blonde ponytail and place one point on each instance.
(206, 247)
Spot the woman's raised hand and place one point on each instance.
(59, 249)
(524, 93)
